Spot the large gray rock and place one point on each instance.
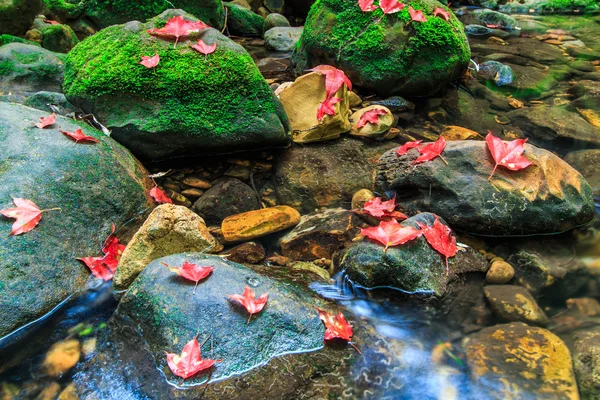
(95, 185)
(282, 38)
(547, 197)
(587, 162)
(16, 16)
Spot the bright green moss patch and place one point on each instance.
(6, 39)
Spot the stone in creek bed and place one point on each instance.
(500, 272)
(246, 253)
(514, 304)
(197, 182)
(227, 197)
(193, 193)
(254, 224)
(586, 361)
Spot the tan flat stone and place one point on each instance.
(257, 223)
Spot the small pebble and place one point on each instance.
(192, 193)
(500, 272)
(197, 183)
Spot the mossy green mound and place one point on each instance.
(386, 53)
(189, 105)
(59, 38)
(16, 16)
(243, 22)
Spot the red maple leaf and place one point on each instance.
(150, 62)
(46, 121)
(391, 233)
(334, 78)
(204, 48)
(327, 107)
(442, 12)
(251, 304)
(507, 154)
(367, 5)
(407, 146)
(190, 362)
(104, 267)
(391, 6)
(51, 22)
(160, 196)
(383, 209)
(439, 236)
(79, 136)
(416, 15)
(430, 151)
(26, 214)
(336, 327)
(191, 272)
(98, 267)
(177, 27)
(371, 116)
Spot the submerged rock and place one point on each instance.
(493, 70)
(227, 197)
(385, 53)
(94, 185)
(519, 361)
(513, 303)
(586, 361)
(587, 162)
(500, 272)
(189, 105)
(547, 197)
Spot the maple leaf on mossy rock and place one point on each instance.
(176, 28)
(507, 154)
(190, 362)
(252, 304)
(26, 214)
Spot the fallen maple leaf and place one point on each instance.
(190, 362)
(98, 267)
(204, 48)
(26, 214)
(391, 233)
(430, 151)
(507, 154)
(371, 116)
(327, 107)
(336, 327)
(51, 22)
(177, 27)
(391, 6)
(383, 209)
(46, 121)
(334, 78)
(105, 267)
(150, 62)
(252, 304)
(407, 146)
(160, 196)
(416, 15)
(367, 5)
(439, 236)
(191, 272)
(442, 12)
(79, 136)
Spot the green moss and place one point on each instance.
(63, 8)
(59, 38)
(241, 21)
(6, 39)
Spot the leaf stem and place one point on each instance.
(444, 160)
(356, 348)
(493, 171)
(250, 317)
(196, 286)
(52, 209)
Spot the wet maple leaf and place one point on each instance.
(371, 116)
(334, 78)
(507, 154)
(252, 304)
(383, 209)
(190, 362)
(46, 121)
(204, 48)
(160, 196)
(439, 236)
(391, 6)
(327, 107)
(105, 267)
(150, 62)
(176, 28)
(416, 15)
(367, 5)
(336, 327)
(407, 146)
(442, 12)
(191, 272)
(98, 267)
(391, 233)
(26, 214)
(79, 136)
(430, 151)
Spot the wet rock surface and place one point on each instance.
(514, 304)
(227, 197)
(586, 362)
(254, 224)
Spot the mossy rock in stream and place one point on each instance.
(385, 53)
(95, 185)
(243, 22)
(59, 38)
(189, 105)
(16, 16)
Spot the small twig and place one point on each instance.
(225, 23)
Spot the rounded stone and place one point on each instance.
(275, 20)
(59, 38)
(253, 224)
(500, 272)
(360, 198)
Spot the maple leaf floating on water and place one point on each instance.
(407, 146)
(177, 27)
(430, 151)
(190, 362)
(367, 5)
(79, 136)
(104, 267)
(416, 15)
(191, 272)
(336, 327)
(439, 236)
(26, 214)
(442, 12)
(383, 209)
(204, 48)
(391, 6)
(160, 196)
(391, 233)
(46, 121)
(371, 116)
(507, 154)
(150, 62)
(252, 304)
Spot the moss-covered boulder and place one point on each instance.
(95, 185)
(546, 198)
(242, 21)
(189, 105)
(386, 53)
(6, 39)
(16, 16)
(59, 38)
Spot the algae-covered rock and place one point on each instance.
(6, 39)
(494, 18)
(242, 21)
(189, 105)
(16, 16)
(547, 197)
(59, 38)
(586, 361)
(514, 303)
(95, 185)
(385, 53)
